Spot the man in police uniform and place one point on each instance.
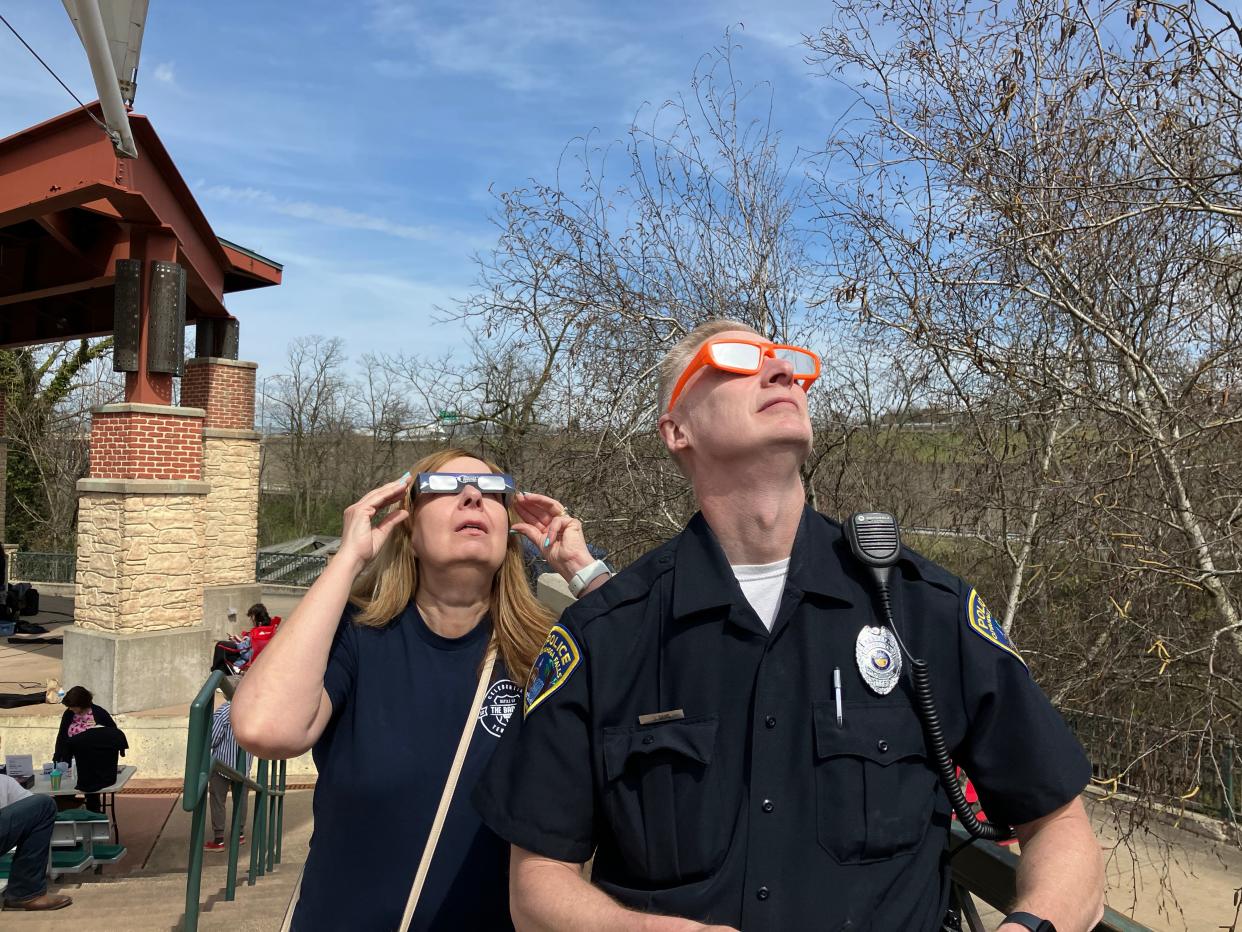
(682, 724)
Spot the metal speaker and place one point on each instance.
(126, 315)
(166, 320)
(231, 341)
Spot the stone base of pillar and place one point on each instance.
(231, 509)
(219, 601)
(140, 546)
(137, 671)
(552, 590)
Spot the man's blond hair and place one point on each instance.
(677, 358)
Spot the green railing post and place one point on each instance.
(194, 870)
(280, 812)
(238, 794)
(258, 840)
(1226, 779)
(269, 802)
(194, 792)
(271, 817)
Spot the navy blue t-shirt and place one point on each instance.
(399, 699)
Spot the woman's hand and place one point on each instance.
(361, 539)
(557, 535)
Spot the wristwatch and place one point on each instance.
(1030, 921)
(585, 576)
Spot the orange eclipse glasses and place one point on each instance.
(740, 356)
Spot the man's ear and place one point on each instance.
(676, 439)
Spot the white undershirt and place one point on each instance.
(763, 585)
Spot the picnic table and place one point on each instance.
(43, 787)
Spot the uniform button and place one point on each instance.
(770, 721)
(649, 739)
(882, 746)
(763, 893)
(768, 805)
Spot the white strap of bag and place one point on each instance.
(446, 798)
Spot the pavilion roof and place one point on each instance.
(70, 207)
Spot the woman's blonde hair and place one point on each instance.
(383, 590)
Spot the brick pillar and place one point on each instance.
(137, 441)
(4, 463)
(138, 641)
(224, 389)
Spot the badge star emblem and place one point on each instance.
(879, 659)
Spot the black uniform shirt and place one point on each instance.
(754, 808)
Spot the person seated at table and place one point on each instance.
(81, 714)
(376, 671)
(26, 821)
(95, 753)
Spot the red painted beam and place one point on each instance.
(252, 267)
(61, 227)
(17, 206)
(64, 317)
(87, 285)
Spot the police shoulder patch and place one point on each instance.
(556, 660)
(984, 623)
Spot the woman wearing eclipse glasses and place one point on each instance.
(422, 621)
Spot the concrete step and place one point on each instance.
(157, 904)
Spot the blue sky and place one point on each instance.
(356, 143)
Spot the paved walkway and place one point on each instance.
(1163, 876)
(25, 664)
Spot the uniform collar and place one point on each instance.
(702, 578)
(819, 560)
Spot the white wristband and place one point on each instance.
(585, 576)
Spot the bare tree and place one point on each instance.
(383, 413)
(695, 214)
(1041, 200)
(49, 392)
(311, 408)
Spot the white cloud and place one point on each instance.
(164, 73)
(326, 214)
(374, 310)
(513, 44)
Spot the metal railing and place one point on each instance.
(988, 872)
(268, 814)
(30, 566)
(288, 569)
(1184, 769)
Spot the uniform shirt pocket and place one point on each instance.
(874, 788)
(661, 799)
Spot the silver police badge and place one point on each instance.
(878, 658)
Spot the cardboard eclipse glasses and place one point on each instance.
(450, 483)
(745, 357)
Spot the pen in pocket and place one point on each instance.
(836, 692)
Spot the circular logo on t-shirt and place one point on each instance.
(498, 705)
